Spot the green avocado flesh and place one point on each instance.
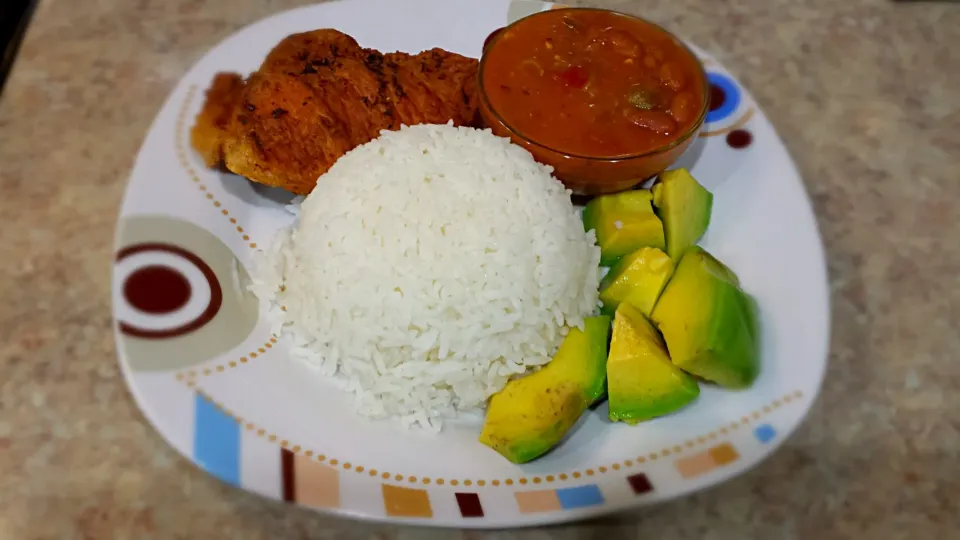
(642, 382)
(533, 413)
(638, 279)
(684, 206)
(708, 322)
(624, 222)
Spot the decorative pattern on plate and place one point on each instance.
(639, 483)
(469, 504)
(216, 445)
(716, 455)
(729, 111)
(764, 433)
(222, 367)
(307, 480)
(406, 502)
(163, 289)
(550, 500)
(180, 294)
(704, 462)
(724, 97)
(309, 483)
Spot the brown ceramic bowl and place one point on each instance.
(596, 175)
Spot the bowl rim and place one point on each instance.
(694, 128)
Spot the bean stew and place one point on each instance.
(593, 83)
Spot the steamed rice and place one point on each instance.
(427, 268)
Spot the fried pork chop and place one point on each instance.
(317, 96)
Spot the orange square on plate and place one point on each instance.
(694, 465)
(406, 502)
(316, 484)
(537, 501)
(723, 454)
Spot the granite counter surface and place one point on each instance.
(866, 95)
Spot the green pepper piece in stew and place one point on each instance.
(643, 97)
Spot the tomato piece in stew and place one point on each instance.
(593, 83)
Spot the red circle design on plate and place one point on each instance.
(157, 289)
(216, 293)
(739, 138)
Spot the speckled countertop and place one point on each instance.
(866, 94)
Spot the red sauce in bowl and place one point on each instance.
(593, 83)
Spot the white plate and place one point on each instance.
(204, 368)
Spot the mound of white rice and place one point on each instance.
(428, 267)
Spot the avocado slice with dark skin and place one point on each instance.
(532, 414)
(624, 222)
(642, 381)
(684, 206)
(709, 324)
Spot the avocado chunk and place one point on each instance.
(684, 206)
(708, 322)
(638, 278)
(532, 414)
(624, 222)
(642, 381)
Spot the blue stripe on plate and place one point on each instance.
(216, 441)
(580, 496)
